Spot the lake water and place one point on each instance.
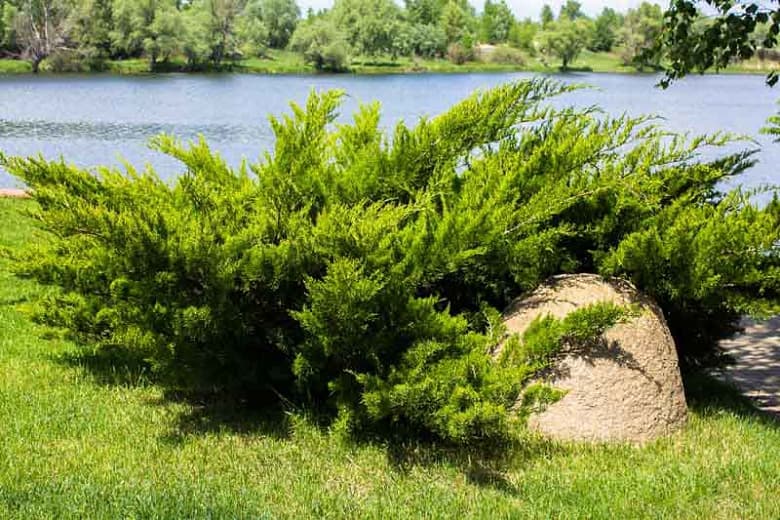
(93, 120)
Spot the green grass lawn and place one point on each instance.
(80, 441)
(14, 66)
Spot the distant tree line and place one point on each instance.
(85, 34)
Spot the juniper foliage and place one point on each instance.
(362, 273)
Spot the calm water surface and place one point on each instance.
(93, 120)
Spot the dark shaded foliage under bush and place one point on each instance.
(362, 274)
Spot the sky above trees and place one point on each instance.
(524, 8)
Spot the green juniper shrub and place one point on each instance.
(463, 386)
(362, 274)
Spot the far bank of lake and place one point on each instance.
(287, 62)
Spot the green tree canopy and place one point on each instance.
(564, 40)
(456, 20)
(41, 28)
(547, 16)
(419, 39)
(321, 44)
(425, 12)
(161, 38)
(92, 23)
(605, 28)
(367, 24)
(220, 19)
(523, 33)
(639, 35)
(571, 10)
(496, 21)
(279, 17)
(136, 32)
(253, 35)
(8, 13)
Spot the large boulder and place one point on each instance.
(627, 387)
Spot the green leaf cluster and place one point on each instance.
(698, 36)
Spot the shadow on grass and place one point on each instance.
(709, 396)
(206, 412)
(110, 366)
(209, 414)
(706, 396)
(487, 466)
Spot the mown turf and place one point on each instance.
(14, 66)
(81, 443)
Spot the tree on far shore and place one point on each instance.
(40, 29)
(564, 40)
(639, 35)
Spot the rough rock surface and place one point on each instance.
(628, 388)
